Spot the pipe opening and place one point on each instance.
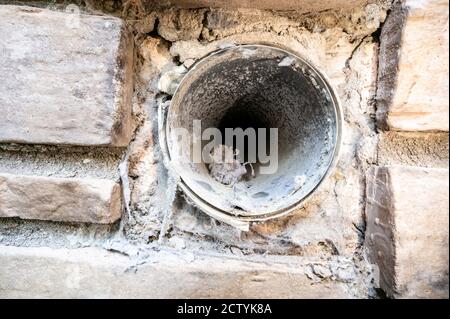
(255, 87)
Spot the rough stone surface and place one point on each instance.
(59, 199)
(301, 5)
(66, 78)
(56, 161)
(177, 25)
(413, 74)
(96, 273)
(40, 233)
(407, 230)
(422, 149)
(155, 58)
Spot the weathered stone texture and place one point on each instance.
(96, 273)
(413, 89)
(423, 149)
(407, 230)
(65, 78)
(300, 5)
(60, 199)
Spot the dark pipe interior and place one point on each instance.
(244, 115)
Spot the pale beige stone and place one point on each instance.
(60, 199)
(65, 78)
(407, 230)
(96, 273)
(413, 88)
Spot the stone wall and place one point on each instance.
(84, 188)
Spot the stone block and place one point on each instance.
(413, 83)
(407, 213)
(66, 78)
(60, 199)
(97, 273)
